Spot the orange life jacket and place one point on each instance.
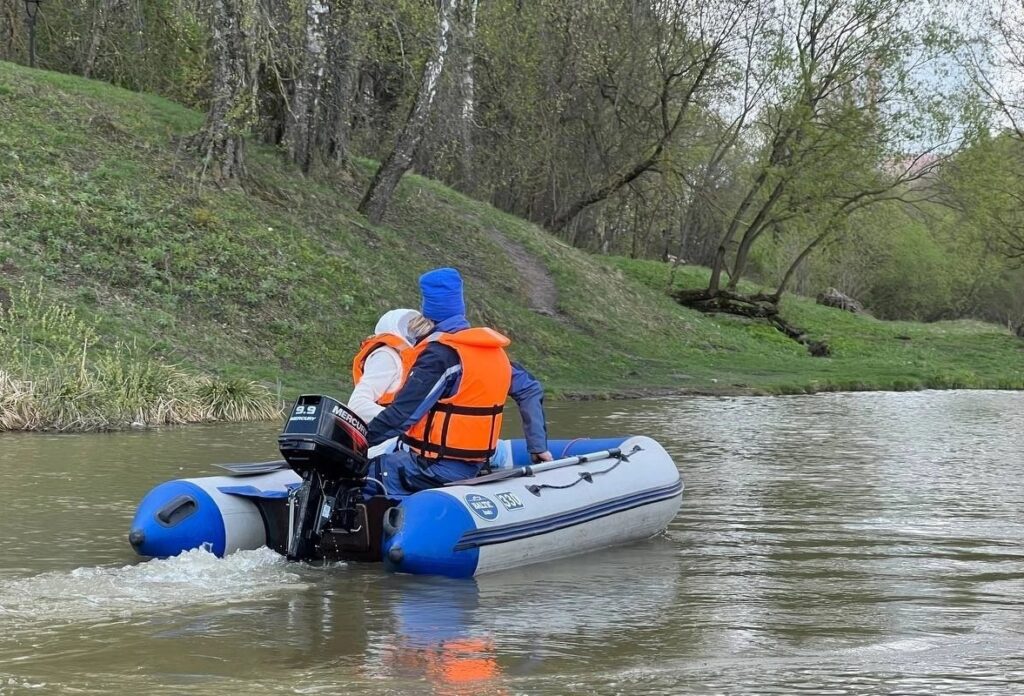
(400, 345)
(466, 425)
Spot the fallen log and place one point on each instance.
(754, 307)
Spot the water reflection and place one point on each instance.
(434, 638)
(486, 634)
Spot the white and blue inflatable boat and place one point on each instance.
(598, 493)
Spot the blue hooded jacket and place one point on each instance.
(436, 375)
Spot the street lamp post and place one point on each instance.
(32, 11)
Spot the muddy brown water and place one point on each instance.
(841, 543)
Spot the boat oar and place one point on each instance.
(532, 469)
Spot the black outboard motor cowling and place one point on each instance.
(325, 437)
(325, 443)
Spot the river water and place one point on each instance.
(838, 543)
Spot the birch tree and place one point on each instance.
(301, 130)
(468, 83)
(375, 202)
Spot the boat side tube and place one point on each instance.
(466, 530)
(219, 513)
(564, 448)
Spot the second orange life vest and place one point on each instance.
(399, 345)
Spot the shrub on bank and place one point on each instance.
(56, 374)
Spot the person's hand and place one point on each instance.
(544, 456)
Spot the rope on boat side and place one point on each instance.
(587, 476)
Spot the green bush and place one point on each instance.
(911, 279)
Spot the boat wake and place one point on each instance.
(104, 592)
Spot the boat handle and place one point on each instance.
(392, 520)
(175, 511)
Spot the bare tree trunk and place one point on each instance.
(343, 66)
(9, 21)
(378, 195)
(98, 24)
(602, 235)
(468, 96)
(301, 129)
(753, 232)
(779, 148)
(635, 232)
(784, 283)
(221, 142)
(102, 11)
(343, 114)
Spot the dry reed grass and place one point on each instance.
(56, 373)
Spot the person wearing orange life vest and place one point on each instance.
(377, 369)
(448, 413)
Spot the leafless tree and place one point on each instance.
(689, 43)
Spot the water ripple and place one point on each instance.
(831, 544)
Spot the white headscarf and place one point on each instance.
(396, 322)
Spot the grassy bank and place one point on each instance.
(56, 373)
(280, 281)
(867, 353)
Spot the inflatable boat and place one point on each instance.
(314, 505)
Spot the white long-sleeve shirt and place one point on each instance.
(382, 373)
(382, 369)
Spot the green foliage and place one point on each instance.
(834, 134)
(569, 94)
(280, 282)
(154, 46)
(911, 282)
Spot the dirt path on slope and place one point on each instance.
(541, 292)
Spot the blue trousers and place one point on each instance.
(402, 474)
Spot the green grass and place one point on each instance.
(867, 353)
(279, 282)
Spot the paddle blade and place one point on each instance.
(253, 468)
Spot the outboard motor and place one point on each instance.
(325, 443)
